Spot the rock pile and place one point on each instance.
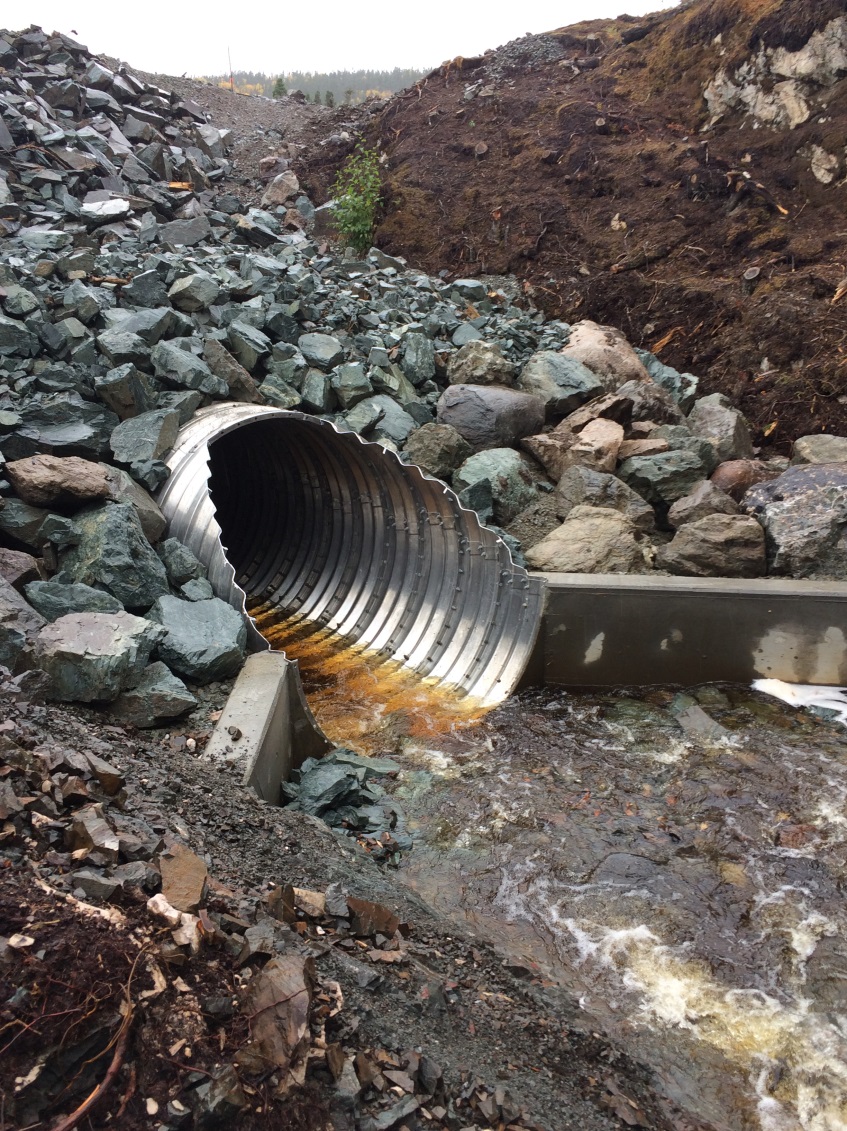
(344, 790)
(134, 290)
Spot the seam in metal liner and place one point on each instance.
(338, 533)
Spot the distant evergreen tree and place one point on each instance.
(358, 85)
(329, 99)
(280, 89)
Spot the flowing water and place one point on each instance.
(679, 872)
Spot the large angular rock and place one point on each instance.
(194, 292)
(114, 555)
(392, 422)
(681, 386)
(351, 384)
(157, 697)
(437, 449)
(180, 369)
(54, 599)
(508, 478)
(19, 626)
(606, 352)
(804, 513)
(15, 339)
(126, 490)
(562, 382)
(704, 500)
(241, 385)
(61, 424)
(489, 416)
(651, 402)
(187, 233)
(592, 540)
(93, 656)
(145, 437)
(18, 568)
(127, 391)
(146, 289)
(581, 486)
(663, 478)
(820, 449)
(596, 446)
(715, 418)
(248, 344)
(122, 347)
(418, 358)
(480, 363)
(283, 187)
(184, 877)
(680, 439)
(204, 641)
(180, 563)
(23, 523)
(55, 481)
(718, 545)
(551, 450)
(322, 351)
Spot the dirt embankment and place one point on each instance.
(709, 228)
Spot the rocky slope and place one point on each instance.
(680, 177)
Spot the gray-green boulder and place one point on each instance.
(204, 641)
(181, 369)
(662, 478)
(114, 555)
(144, 437)
(54, 599)
(562, 382)
(19, 624)
(179, 561)
(321, 350)
(194, 292)
(509, 477)
(157, 697)
(94, 656)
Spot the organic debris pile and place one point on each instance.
(679, 177)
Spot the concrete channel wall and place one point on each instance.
(606, 631)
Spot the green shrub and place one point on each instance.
(357, 192)
(280, 89)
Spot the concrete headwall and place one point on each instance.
(603, 630)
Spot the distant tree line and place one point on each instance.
(330, 89)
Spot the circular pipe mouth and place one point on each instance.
(339, 536)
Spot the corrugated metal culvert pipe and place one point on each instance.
(341, 534)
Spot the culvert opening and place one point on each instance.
(335, 542)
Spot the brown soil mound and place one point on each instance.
(580, 162)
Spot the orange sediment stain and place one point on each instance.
(361, 699)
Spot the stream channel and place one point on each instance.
(673, 859)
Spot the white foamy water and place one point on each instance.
(662, 987)
(806, 695)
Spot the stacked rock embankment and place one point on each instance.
(135, 291)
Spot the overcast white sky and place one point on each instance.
(325, 35)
